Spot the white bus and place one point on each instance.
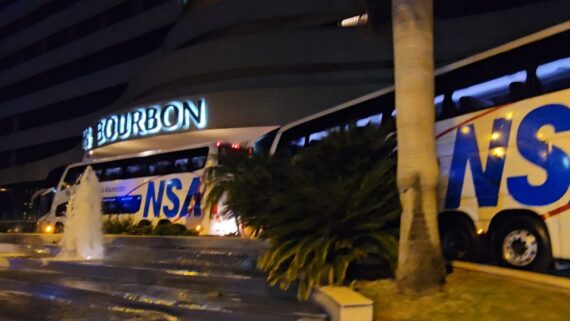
(150, 188)
(503, 140)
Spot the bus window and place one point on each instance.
(318, 136)
(61, 210)
(121, 205)
(489, 93)
(72, 176)
(438, 102)
(554, 75)
(110, 206)
(135, 170)
(371, 120)
(40, 202)
(263, 144)
(198, 162)
(181, 165)
(130, 204)
(297, 143)
(313, 130)
(45, 202)
(288, 146)
(162, 167)
(113, 173)
(161, 164)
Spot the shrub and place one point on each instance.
(170, 229)
(127, 226)
(144, 227)
(329, 205)
(114, 225)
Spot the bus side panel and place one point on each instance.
(510, 157)
(173, 197)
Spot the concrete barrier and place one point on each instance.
(13, 248)
(33, 239)
(343, 304)
(197, 242)
(539, 278)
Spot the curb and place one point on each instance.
(151, 241)
(343, 304)
(543, 279)
(13, 248)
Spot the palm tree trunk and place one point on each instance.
(421, 266)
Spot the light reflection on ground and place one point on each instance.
(142, 284)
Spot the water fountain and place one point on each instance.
(83, 234)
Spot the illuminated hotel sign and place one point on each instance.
(175, 116)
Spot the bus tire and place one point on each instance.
(459, 240)
(523, 243)
(58, 228)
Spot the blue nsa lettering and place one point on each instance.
(487, 181)
(551, 158)
(154, 199)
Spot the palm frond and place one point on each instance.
(329, 205)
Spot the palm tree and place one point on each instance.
(421, 267)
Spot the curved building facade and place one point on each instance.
(265, 63)
(68, 65)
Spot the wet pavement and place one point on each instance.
(144, 283)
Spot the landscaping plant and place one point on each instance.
(329, 205)
(114, 225)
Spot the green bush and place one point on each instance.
(170, 229)
(331, 204)
(127, 226)
(114, 225)
(142, 228)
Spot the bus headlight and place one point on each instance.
(48, 228)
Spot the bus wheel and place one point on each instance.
(58, 228)
(458, 239)
(523, 243)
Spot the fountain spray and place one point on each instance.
(83, 234)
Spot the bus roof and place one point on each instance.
(545, 33)
(141, 154)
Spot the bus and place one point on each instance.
(152, 187)
(503, 140)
